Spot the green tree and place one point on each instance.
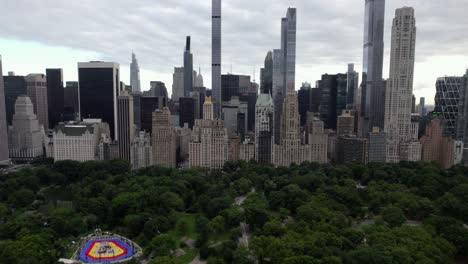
(393, 216)
(163, 245)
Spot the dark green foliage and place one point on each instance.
(380, 213)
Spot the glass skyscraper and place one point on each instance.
(373, 91)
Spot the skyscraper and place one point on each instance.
(209, 144)
(288, 46)
(71, 101)
(14, 86)
(188, 69)
(98, 90)
(290, 150)
(305, 100)
(352, 86)
(332, 98)
(25, 135)
(147, 106)
(164, 139)
(55, 96)
(399, 90)
(266, 85)
(422, 106)
(447, 101)
(199, 79)
(216, 55)
(317, 138)
(373, 91)
(126, 125)
(3, 122)
(37, 91)
(135, 75)
(264, 132)
(177, 83)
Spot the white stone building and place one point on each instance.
(141, 151)
(26, 136)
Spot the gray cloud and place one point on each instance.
(329, 32)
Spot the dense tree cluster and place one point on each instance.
(380, 213)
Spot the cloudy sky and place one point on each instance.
(56, 33)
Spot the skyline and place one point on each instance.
(321, 48)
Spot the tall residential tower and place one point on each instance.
(216, 55)
(372, 88)
(399, 91)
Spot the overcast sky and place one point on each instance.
(59, 33)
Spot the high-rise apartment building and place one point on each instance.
(439, 148)
(290, 150)
(209, 144)
(264, 128)
(235, 114)
(135, 75)
(25, 136)
(422, 106)
(351, 149)
(14, 86)
(3, 122)
(216, 55)
(317, 138)
(98, 90)
(345, 124)
(372, 88)
(164, 139)
(199, 79)
(126, 124)
(55, 96)
(37, 91)
(141, 151)
(399, 89)
(377, 146)
(188, 69)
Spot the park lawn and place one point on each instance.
(187, 258)
(189, 231)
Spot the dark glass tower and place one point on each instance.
(267, 75)
(55, 96)
(332, 98)
(98, 90)
(188, 69)
(186, 111)
(14, 87)
(373, 90)
(147, 106)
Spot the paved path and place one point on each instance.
(245, 237)
(197, 260)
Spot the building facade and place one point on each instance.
(98, 90)
(14, 86)
(377, 146)
(164, 139)
(290, 150)
(317, 139)
(209, 144)
(345, 124)
(264, 128)
(351, 149)
(439, 148)
(126, 125)
(55, 96)
(447, 101)
(399, 90)
(141, 151)
(37, 91)
(25, 136)
(352, 87)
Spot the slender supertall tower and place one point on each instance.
(188, 69)
(372, 88)
(3, 122)
(288, 45)
(216, 55)
(135, 75)
(399, 92)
